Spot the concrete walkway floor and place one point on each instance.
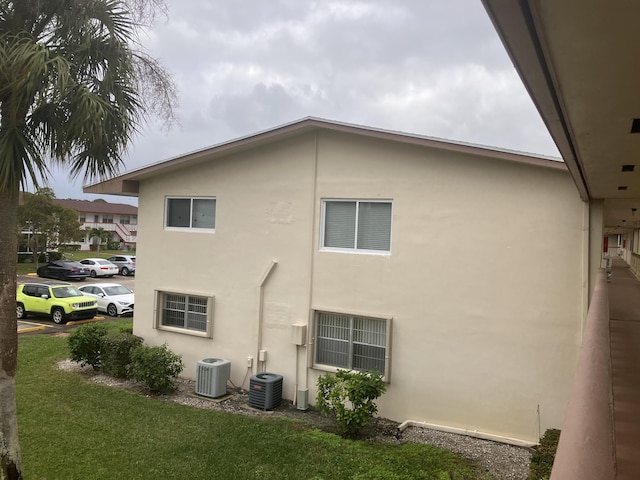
(624, 310)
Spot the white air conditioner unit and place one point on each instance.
(212, 375)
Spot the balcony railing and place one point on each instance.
(586, 450)
(122, 230)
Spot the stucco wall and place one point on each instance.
(264, 213)
(483, 282)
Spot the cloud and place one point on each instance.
(435, 68)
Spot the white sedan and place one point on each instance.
(113, 298)
(99, 267)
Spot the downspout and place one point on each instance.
(261, 285)
(312, 251)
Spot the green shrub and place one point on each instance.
(52, 256)
(25, 258)
(545, 454)
(85, 344)
(349, 396)
(156, 367)
(116, 353)
(113, 245)
(69, 247)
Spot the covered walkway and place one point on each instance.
(624, 310)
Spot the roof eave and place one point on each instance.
(128, 183)
(516, 23)
(114, 186)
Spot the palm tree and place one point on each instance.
(101, 234)
(74, 87)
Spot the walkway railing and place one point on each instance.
(586, 450)
(122, 230)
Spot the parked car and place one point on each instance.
(99, 267)
(126, 263)
(61, 301)
(63, 270)
(113, 298)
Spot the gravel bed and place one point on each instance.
(508, 462)
(504, 462)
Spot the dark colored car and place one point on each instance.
(63, 270)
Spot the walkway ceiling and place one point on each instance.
(574, 58)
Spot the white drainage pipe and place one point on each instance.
(461, 431)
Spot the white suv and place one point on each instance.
(126, 264)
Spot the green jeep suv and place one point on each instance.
(60, 300)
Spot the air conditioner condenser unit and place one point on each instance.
(212, 375)
(265, 391)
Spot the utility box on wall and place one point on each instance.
(299, 334)
(303, 399)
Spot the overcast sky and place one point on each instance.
(428, 67)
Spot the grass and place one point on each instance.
(544, 456)
(71, 428)
(27, 268)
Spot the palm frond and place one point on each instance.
(72, 88)
(20, 160)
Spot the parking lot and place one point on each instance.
(44, 324)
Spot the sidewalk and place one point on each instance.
(624, 308)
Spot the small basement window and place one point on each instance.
(184, 313)
(352, 342)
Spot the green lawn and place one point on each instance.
(71, 428)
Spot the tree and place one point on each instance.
(74, 88)
(50, 224)
(67, 229)
(101, 234)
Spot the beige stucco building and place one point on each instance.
(460, 272)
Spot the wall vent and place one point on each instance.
(211, 377)
(265, 391)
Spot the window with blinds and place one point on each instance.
(351, 342)
(191, 313)
(195, 213)
(357, 225)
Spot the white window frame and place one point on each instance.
(355, 248)
(190, 228)
(333, 368)
(159, 303)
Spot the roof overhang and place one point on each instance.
(128, 183)
(573, 58)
